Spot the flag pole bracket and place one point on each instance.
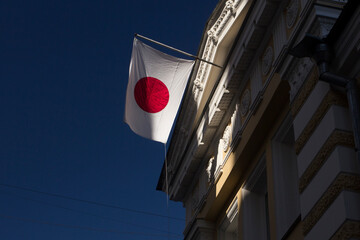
(177, 50)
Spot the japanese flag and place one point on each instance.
(156, 85)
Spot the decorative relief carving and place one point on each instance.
(198, 84)
(226, 138)
(245, 102)
(305, 91)
(210, 46)
(336, 138)
(235, 122)
(220, 156)
(292, 11)
(196, 93)
(267, 60)
(234, 115)
(342, 182)
(200, 138)
(199, 81)
(322, 26)
(227, 12)
(298, 75)
(209, 169)
(212, 36)
(325, 28)
(229, 5)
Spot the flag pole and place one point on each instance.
(177, 50)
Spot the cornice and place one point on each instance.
(213, 39)
(214, 35)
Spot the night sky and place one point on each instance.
(70, 168)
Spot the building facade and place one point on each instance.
(262, 148)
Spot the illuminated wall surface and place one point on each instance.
(263, 149)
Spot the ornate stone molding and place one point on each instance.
(292, 12)
(322, 26)
(331, 98)
(342, 182)
(326, 26)
(219, 157)
(198, 85)
(267, 60)
(226, 138)
(336, 138)
(213, 37)
(304, 92)
(235, 123)
(349, 230)
(226, 14)
(298, 74)
(209, 169)
(229, 5)
(245, 102)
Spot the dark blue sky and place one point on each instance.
(63, 76)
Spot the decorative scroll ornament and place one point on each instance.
(298, 75)
(292, 13)
(209, 169)
(197, 88)
(212, 36)
(199, 85)
(226, 138)
(219, 156)
(245, 103)
(322, 26)
(229, 5)
(235, 122)
(267, 60)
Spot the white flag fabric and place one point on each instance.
(156, 85)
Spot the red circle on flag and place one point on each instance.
(151, 94)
